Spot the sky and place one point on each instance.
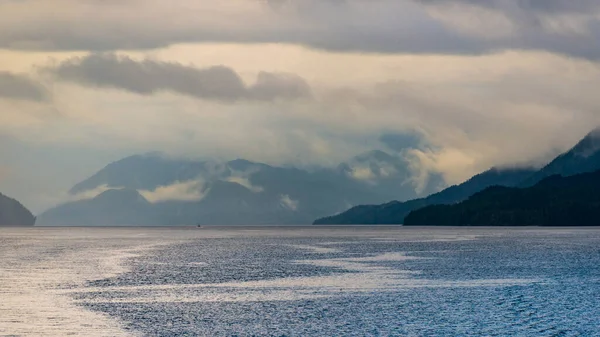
(297, 82)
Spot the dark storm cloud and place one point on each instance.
(386, 26)
(565, 27)
(21, 87)
(148, 77)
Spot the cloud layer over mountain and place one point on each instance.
(454, 86)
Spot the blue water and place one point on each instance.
(383, 281)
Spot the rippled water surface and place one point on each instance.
(346, 281)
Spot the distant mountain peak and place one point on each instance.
(243, 164)
(581, 158)
(152, 154)
(595, 132)
(589, 145)
(373, 155)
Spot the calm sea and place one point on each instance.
(346, 281)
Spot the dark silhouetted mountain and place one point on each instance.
(12, 213)
(184, 192)
(583, 157)
(554, 201)
(395, 211)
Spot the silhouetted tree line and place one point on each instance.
(554, 201)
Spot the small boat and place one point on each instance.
(199, 225)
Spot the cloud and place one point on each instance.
(372, 168)
(540, 6)
(4, 172)
(269, 86)
(89, 194)
(43, 202)
(148, 77)
(362, 173)
(382, 26)
(191, 190)
(244, 181)
(288, 202)
(528, 17)
(21, 87)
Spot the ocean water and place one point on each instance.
(343, 281)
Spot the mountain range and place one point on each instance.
(583, 157)
(153, 189)
(156, 190)
(12, 213)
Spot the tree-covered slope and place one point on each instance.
(583, 157)
(554, 201)
(12, 213)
